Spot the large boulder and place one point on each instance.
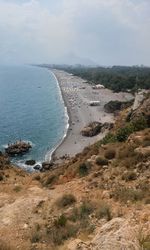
(46, 166)
(92, 129)
(116, 234)
(30, 162)
(18, 148)
(143, 110)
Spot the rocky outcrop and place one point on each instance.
(18, 148)
(117, 234)
(46, 166)
(30, 162)
(139, 97)
(143, 151)
(142, 110)
(92, 129)
(114, 106)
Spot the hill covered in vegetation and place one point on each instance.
(116, 78)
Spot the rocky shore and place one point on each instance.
(18, 148)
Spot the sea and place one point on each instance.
(31, 109)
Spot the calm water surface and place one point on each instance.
(31, 109)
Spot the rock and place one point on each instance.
(37, 167)
(18, 148)
(105, 195)
(30, 162)
(144, 151)
(116, 234)
(46, 166)
(77, 244)
(142, 110)
(92, 129)
(114, 106)
(140, 96)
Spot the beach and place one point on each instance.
(77, 94)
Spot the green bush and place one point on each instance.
(123, 133)
(61, 221)
(83, 169)
(139, 123)
(109, 138)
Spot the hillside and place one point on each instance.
(98, 199)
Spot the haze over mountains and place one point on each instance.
(110, 32)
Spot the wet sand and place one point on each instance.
(77, 94)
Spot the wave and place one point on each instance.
(48, 156)
(26, 167)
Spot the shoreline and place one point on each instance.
(76, 94)
(49, 157)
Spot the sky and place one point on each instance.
(103, 32)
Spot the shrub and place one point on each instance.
(17, 188)
(1, 177)
(104, 212)
(35, 237)
(140, 123)
(83, 169)
(124, 194)
(74, 215)
(59, 234)
(61, 221)
(110, 154)
(129, 176)
(123, 133)
(66, 200)
(126, 151)
(85, 209)
(37, 177)
(101, 161)
(50, 180)
(109, 138)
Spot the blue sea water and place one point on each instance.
(31, 109)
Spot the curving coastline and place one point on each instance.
(50, 155)
(76, 95)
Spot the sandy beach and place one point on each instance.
(77, 94)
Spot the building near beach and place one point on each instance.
(98, 86)
(94, 103)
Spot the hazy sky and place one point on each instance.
(107, 32)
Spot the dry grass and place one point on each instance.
(5, 246)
